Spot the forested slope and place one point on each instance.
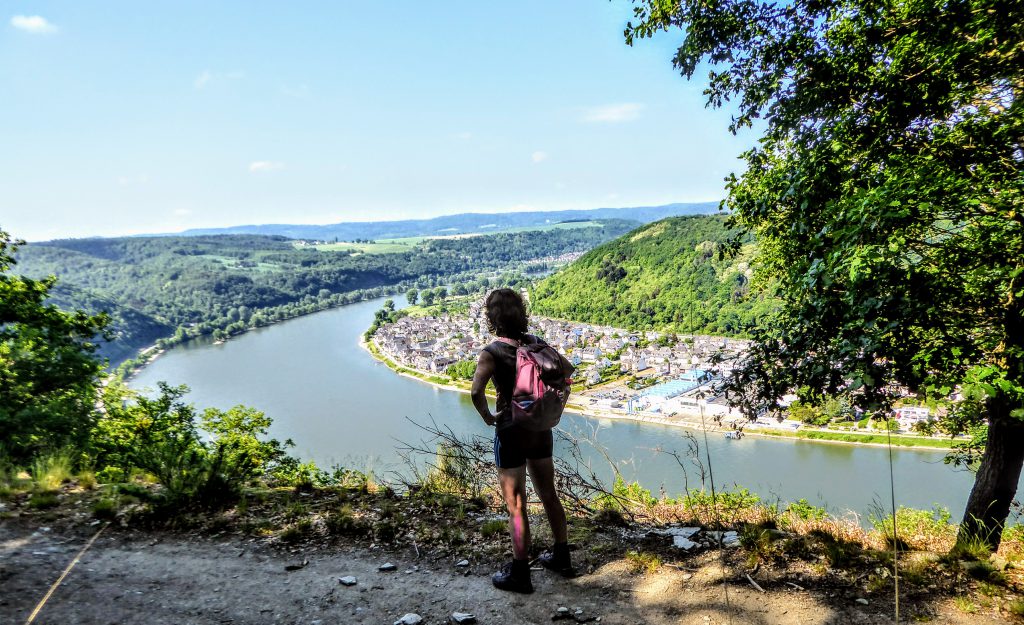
(189, 286)
(665, 275)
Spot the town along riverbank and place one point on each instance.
(693, 421)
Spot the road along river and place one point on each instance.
(341, 406)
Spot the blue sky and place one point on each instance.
(131, 117)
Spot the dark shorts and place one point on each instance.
(513, 446)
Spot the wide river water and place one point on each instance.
(340, 406)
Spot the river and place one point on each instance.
(340, 406)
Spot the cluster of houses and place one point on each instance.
(909, 416)
(430, 343)
(679, 369)
(435, 343)
(593, 348)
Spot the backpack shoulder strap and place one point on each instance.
(512, 342)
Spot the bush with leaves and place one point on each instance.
(462, 370)
(48, 367)
(202, 459)
(885, 194)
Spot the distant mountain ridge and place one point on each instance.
(463, 223)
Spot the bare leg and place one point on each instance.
(542, 473)
(513, 488)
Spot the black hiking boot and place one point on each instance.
(557, 559)
(514, 577)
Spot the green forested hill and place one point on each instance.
(665, 275)
(181, 287)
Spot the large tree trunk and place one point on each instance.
(996, 481)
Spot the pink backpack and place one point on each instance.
(541, 388)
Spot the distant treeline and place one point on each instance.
(180, 287)
(464, 223)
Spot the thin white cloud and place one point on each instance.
(182, 212)
(203, 79)
(465, 135)
(539, 156)
(613, 113)
(262, 166)
(35, 24)
(207, 77)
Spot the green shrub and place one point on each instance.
(342, 522)
(838, 553)
(724, 506)
(643, 562)
(760, 543)
(493, 527)
(296, 510)
(49, 471)
(609, 517)
(87, 479)
(386, 530)
(1013, 533)
(625, 497)
(455, 472)
(12, 480)
(140, 492)
(49, 371)
(804, 511)
(297, 531)
(1016, 607)
(462, 370)
(43, 500)
(110, 475)
(205, 467)
(105, 509)
(921, 529)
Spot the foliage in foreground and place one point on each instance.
(886, 195)
(202, 459)
(48, 371)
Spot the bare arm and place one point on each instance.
(484, 372)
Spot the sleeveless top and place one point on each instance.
(505, 376)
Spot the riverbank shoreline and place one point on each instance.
(585, 411)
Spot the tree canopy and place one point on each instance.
(47, 366)
(666, 275)
(887, 195)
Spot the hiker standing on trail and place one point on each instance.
(521, 442)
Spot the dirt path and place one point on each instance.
(132, 577)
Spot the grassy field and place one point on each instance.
(380, 246)
(405, 244)
(234, 263)
(876, 438)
